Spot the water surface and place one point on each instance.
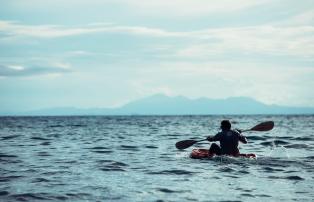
(133, 158)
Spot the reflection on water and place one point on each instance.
(133, 158)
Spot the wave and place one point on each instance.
(109, 165)
(172, 172)
(274, 143)
(293, 177)
(9, 137)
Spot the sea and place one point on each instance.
(134, 158)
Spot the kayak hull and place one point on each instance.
(205, 154)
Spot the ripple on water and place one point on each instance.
(226, 170)
(244, 190)
(78, 195)
(54, 135)
(272, 169)
(10, 137)
(293, 177)
(172, 172)
(40, 180)
(4, 193)
(61, 172)
(45, 143)
(43, 154)
(263, 195)
(166, 190)
(77, 125)
(101, 150)
(306, 138)
(171, 135)
(310, 157)
(55, 126)
(248, 195)
(7, 156)
(61, 198)
(244, 172)
(39, 138)
(275, 142)
(232, 176)
(151, 147)
(30, 196)
(9, 178)
(297, 146)
(109, 165)
(129, 147)
(252, 137)
(98, 148)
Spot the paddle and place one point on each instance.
(265, 126)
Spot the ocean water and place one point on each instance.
(133, 158)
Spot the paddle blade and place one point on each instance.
(185, 144)
(265, 126)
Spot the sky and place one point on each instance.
(105, 53)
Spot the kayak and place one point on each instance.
(204, 154)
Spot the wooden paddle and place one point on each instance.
(265, 126)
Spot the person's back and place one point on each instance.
(229, 140)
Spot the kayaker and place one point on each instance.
(229, 140)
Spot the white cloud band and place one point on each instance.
(272, 40)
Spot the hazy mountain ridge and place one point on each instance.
(160, 104)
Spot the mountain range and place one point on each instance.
(160, 104)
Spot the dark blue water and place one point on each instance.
(134, 159)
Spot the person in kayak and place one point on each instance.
(229, 140)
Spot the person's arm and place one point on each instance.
(242, 138)
(214, 138)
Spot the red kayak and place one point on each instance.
(204, 154)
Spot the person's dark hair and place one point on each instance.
(225, 125)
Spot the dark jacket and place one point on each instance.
(229, 141)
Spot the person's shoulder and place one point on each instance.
(236, 132)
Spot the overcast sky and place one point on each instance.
(104, 53)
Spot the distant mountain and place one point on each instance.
(160, 104)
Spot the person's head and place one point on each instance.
(225, 125)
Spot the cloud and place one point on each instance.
(78, 53)
(25, 71)
(191, 7)
(9, 28)
(188, 8)
(300, 19)
(41, 31)
(285, 85)
(266, 39)
(271, 40)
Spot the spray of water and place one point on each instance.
(278, 151)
